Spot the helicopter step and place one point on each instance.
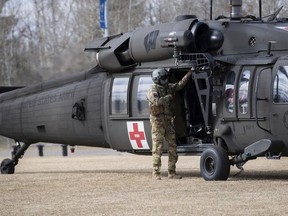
(8, 165)
(273, 157)
(195, 149)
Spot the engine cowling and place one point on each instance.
(154, 43)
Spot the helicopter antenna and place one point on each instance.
(274, 15)
(260, 9)
(211, 9)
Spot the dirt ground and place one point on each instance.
(100, 182)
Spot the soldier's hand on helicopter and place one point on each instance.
(189, 73)
(193, 68)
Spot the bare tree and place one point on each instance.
(8, 45)
(49, 38)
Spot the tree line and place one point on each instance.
(42, 39)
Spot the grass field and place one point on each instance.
(101, 182)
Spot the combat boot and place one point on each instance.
(156, 176)
(156, 173)
(173, 175)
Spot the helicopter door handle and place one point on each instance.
(262, 99)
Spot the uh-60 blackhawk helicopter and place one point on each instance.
(235, 106)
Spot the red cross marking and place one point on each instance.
(137, 135)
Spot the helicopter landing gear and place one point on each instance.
(240, 167)
(8, 165)
(215, 164)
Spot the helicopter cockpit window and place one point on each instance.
(280, 87)
(229, 92)
(119, 96)
(243, 91)
(143, 86)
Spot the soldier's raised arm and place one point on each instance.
(180, 85)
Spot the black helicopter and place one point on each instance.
(234, 109)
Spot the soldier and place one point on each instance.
(162, 115)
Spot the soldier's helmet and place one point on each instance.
(160, 76)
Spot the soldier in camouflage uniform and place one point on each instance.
(162, 114)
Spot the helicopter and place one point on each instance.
(234, 108)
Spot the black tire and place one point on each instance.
(215, 164)
(7, 167)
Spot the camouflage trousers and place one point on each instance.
(163, 129)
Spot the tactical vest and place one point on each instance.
(161, 109)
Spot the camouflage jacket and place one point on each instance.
(160, 97)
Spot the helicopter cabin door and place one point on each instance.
(279, 106)
(261, 98)
(246, 104)
(127, 113)
(245, 107)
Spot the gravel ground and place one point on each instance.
(103, 182)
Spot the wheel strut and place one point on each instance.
(8, 165)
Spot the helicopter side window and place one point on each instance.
(243, 91)
(229, 92)
(119, 96)
(143, 86)
(280, 87)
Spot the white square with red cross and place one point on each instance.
(136, 134)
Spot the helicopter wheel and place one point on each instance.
(7, 167)
(215, 164)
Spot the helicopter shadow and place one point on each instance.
(281, 175)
